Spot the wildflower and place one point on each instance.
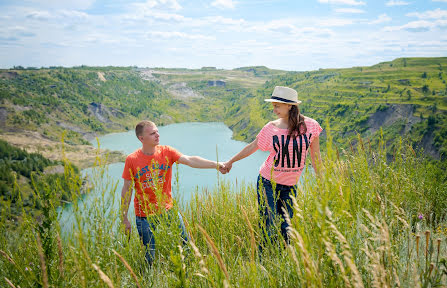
(420, 216)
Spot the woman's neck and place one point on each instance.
(282, 123)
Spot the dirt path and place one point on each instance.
(101, 77)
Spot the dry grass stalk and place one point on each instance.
(4, 254)
(418, 237)
(333, 255)
(200, 257)
(439, 245)
(103, 276)
(309, 266)
(401, 215)
(215, 252)
(295, 259)
(252, 235)
(427, 240)
(347, 254)
(182, 257)
(43, 266)
(381, 257)
(9, 283)
(297, 210)
(134, 276)
(431, 269)
(61, 255)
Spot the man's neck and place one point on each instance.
(148, 150)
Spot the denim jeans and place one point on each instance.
(270, 205)
(146, 227)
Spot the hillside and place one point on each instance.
(26, 177)
(407, 97)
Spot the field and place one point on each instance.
(364, 222)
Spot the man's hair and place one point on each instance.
(140, 127)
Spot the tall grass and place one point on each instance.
(366, 222)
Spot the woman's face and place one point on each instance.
(281, 109)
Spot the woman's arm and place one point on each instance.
(315, 155)
(245, 152)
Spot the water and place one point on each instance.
(208, 140)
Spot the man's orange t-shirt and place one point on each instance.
(152, 177)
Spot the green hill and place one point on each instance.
(406, 97)
(23, 176)
(85, 101)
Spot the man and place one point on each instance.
(150, 169)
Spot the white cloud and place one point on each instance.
(67, 15)
(349, 10)
(176, 34)
(433, 14)
(440, 1)
(39, 15)
(223, 4)
(158, 4)
(344, 2)
(396, 3)
(381, 19)
(419, 26)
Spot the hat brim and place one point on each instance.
(279, 101)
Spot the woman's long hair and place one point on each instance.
(296, 122)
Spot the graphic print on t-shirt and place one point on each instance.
(284, 156)
(149, 174)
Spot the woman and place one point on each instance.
(287, 139)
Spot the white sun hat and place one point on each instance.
(284, 95)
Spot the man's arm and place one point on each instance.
(315, 155)
(199, 162)
(126, 196)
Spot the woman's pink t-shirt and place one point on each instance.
(287, 154)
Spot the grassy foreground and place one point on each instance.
(364, 223)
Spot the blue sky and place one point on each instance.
(291, 35)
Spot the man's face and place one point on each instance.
(150, 136)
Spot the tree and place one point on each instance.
(424, 75)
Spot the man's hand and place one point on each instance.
(126, 195)
(127, 226)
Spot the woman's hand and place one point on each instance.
(228, 166)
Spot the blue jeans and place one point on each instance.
(270, 205)
(146, 226)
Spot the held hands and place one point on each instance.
(225, 168)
